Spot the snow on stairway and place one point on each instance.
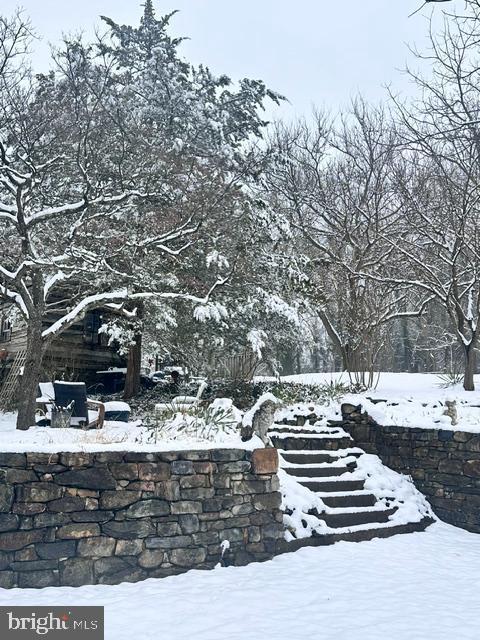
(334, 491)
(312, 438)
(306, 458)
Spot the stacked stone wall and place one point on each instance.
(444, 464)
(88, 518)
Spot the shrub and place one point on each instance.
(450, 379)
(199, 423)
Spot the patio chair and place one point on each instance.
(182, 403)
(85, 412)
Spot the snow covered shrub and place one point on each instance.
(292, 393)
(450, 379)
(217, 421)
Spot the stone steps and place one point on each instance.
(314, 442)
(319, 472)
(300, 421)
(332, 485)
(313, 458)
(354, 518)
(302, 430)
(349, 500)
(323, 459)
(360, 535)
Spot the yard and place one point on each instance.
(421, 586)
(178, 232)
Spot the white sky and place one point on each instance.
(313, 51)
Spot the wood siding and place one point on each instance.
(72, 354)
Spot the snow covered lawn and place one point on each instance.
(114, 436)
(421, 586)
(413, 400)
(420, 386)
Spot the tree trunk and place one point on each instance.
(28, 387)
(132, 380)
(298, 362)
(407, 350)
(470, 361)
(338, 347)
(345, 359)
(134, 361)
(352, 359)
(359, 365)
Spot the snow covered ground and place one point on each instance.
(421, 586)
(415, 386)
(114, 436)
(413, 400)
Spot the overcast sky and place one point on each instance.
(313, 51)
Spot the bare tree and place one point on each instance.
(440, 184)
(336, 185)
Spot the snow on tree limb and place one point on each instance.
(16, 298)
(81, 205)
(120, 297)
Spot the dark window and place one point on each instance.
(5, 330)
(91, 325)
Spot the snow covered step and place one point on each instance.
(304, 434)
(308, 458)
(332, 484)
(319, 472)
(320, 426)
(360, 499)
(341, 533)
(301, 430)
(330, 494)
(359, 533)
(355, 518)
(300, 420)
(318, 457)
(333, 461)
(316, 442)
(378, 507)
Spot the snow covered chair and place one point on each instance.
(47, 394)
(181, 403)
(85, 412)
(45, 400)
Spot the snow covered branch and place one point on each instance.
(120, 298)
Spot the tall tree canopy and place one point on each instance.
(116, 170)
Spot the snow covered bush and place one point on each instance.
(215, 422)
(320, 394)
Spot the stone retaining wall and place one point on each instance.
(445, 465)
(88, 518)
